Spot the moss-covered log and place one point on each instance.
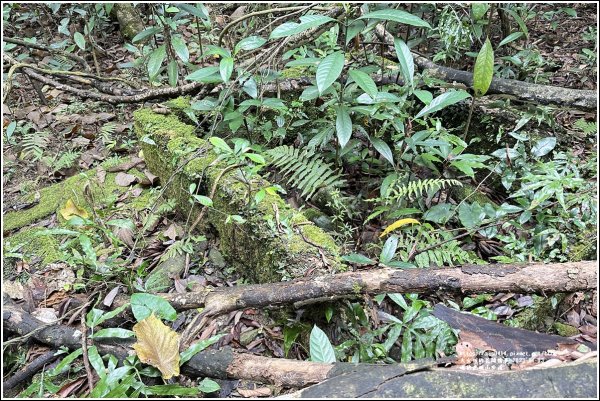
(130, 21)
(258, 249)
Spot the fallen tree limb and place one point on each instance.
(541, 94)
(29, 370)
(531, 278)
(419, 378)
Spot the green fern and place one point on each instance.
(66, 160)
(33, 144)
(106, 133)
(304, 169)
(587, 127)
(417, 188)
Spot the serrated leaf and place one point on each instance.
(226, 68)
(484, 69)
(157, 345)
(384, 149)
(442, 101)
(397, 16)
(79, 40)
(343, 125)
(397, 224)
(321, 349)
(406, 61)
(155, 60)
(329, 70)
(71, 209)
(364, 81)
(180, 48)
(143, 305)
(543, 146)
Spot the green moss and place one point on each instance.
(294, 72)
(44, 246)
(154, 124)
(565, 330)
(179, 104)
(537, 317)
(473, 195)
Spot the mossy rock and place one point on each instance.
(258, 253)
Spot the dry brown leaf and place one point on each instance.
(124, 179)
(71, 209)
(157, 345)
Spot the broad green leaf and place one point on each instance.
(406, 61)
(208, 385)
(122, 223)
(169, 389)
(478, 10)
(197, 347)
(206, 74)
(510, 38)
(384, 149)
(180, 48)
(484, 69)
(114, 333)
(204, 200)
(79, 40)
(145, 33)
(389, 249)
(96, 361)
(364, 81)
(195, 11)
(399, 300)
(65, 364)
(155, 60)
(10, 129)
(329, 70)
(358, 259)
(293, 28)
(442, 101)
(250, 43)
(406, 347)
(226, 68)
(173, 72)
(220, 144)
(321, 349)
(343, 125)
(354, 29)
(424, 96)
(470, 215)
(397, 16)
(143, 305)
(543, 146)
(438, 213)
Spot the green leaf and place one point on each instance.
(389, 249)
(478, 10)
(543, 146)
(443, 100)
(424, 96)
(406, 61)
(65, 364)
(519, 20)
(169, 389)
(206, 75)
(439, 213)
(329, 70)
(358, 259)
(397, 16)
(156, 59)
(173, 72)
(96, 361)
(114, 333)
(204, 200)
(470, 215)
(180, 48)
(343, 125)
(484, 69)
(145, 33)
(250, 43)
(406, 347)
(208, 386)
(10, 129)
(293, 28)
(79, 40)
(354, 29)
(226, 68)
(121, 223)
(195, 11)
(197, 347)
(364, 81)
(321, 349)
(510, 38)
(384, 149)
(220, 144)
(143, 305)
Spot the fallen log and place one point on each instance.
(530, 278)
(417, 379)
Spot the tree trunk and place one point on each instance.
(130, 22)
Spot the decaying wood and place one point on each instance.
(491, 335)
(420, 378)
(531, 278)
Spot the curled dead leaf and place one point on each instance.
(71, 209)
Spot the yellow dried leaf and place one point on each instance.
(398, 224)
(158, 346)
(71, 209)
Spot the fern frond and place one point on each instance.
(304, 169)
(417, 188)
(34, 143)
(106, 132)
(588, 128)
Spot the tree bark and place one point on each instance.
(130, 22)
